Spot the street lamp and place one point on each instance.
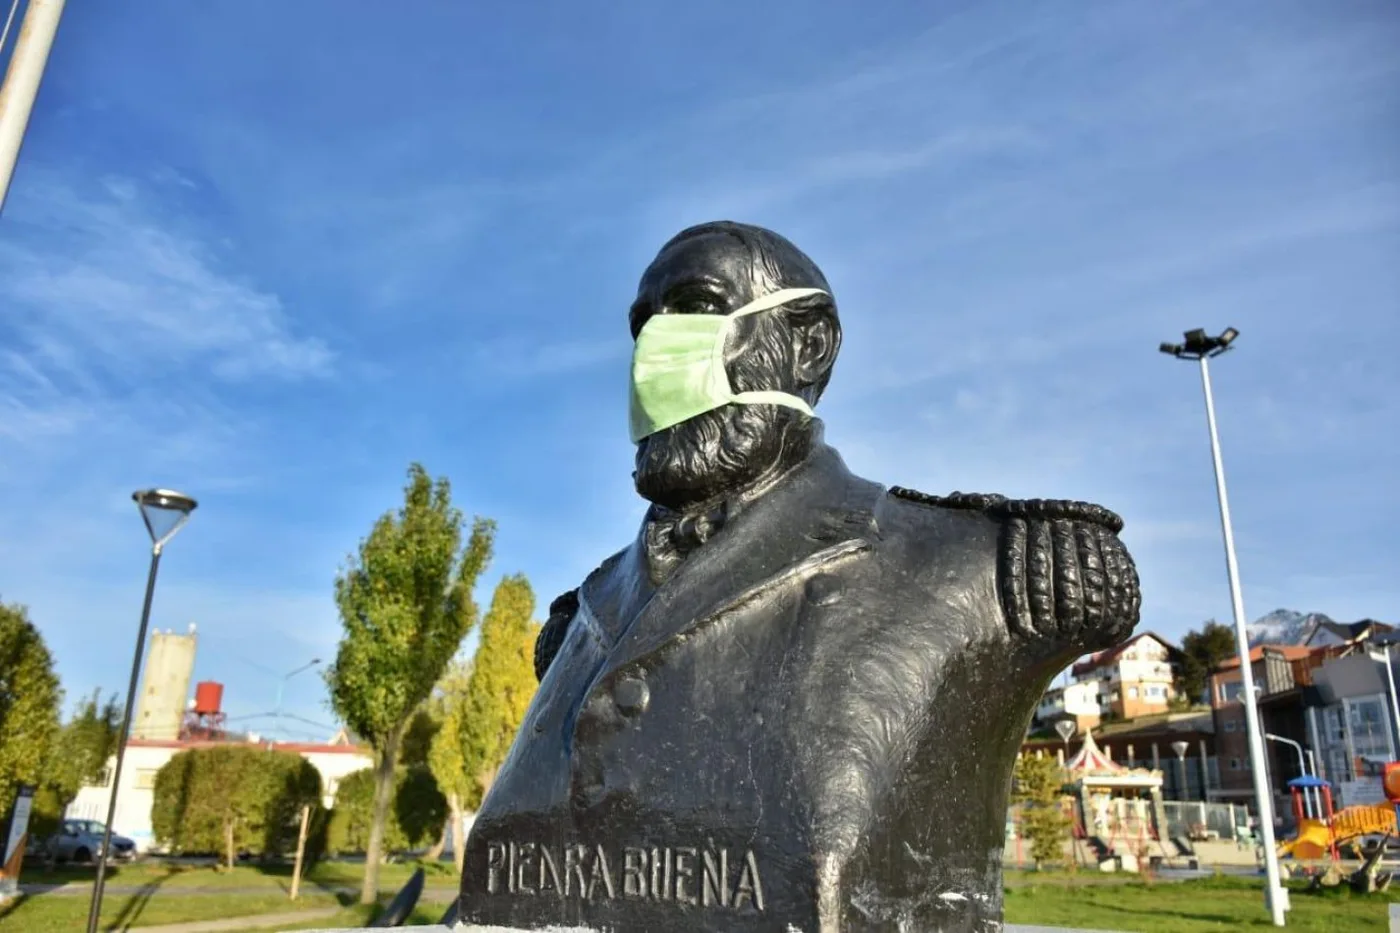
(1201, 348)
(165, 512)
(277, 710)
(1302, 763)
(1180, 748)
(1066, 729)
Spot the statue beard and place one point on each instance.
(715, 455)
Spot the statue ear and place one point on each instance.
(816, 339)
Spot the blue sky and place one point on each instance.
(270, 259)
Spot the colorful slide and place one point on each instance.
(1314, 840)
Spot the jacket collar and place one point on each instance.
(819, 511)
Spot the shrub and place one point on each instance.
(416, 812)
(232, 799)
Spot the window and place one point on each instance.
(1157, 693)
(1232, 691)
(1234, 764)
(1230, 725)
(146, 778)
(1132, 693)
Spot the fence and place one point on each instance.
(1133, 819)
(1192, 818)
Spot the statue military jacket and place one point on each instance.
(810, 725)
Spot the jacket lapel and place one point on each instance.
(819, 514)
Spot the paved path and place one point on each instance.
(259, 922)
(434, 894)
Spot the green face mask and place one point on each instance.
(678, 367)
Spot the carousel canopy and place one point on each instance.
(1090, 766)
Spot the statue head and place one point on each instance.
(716, 269)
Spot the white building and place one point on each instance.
(1078, 702)
(145, 757)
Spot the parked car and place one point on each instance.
(81, 841)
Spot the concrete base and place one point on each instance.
(1010, 928)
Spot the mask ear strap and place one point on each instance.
(767, 396)
(770, 397)
(773, 299)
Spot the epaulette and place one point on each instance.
(1061, 570)
(551, 636)
(1047, 509)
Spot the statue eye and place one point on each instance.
(699, 303)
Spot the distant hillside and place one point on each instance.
(1284, 627)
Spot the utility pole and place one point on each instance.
(21, 87)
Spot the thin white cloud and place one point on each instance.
(115, 281)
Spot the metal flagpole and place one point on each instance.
(21, 87)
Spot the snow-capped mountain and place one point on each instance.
(1284, 627)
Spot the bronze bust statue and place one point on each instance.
(794, 701)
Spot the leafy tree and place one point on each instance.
(1203, 651)
(418, 737)
(231, 799)
(502, 683)
(1038, 782)
(82, 748)
(29, 703)
(447, 754)
(405, 602)
(413, 819)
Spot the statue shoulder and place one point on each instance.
(551, 637)
(1063, 575)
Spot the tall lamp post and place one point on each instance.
(1201, 348)
(165, 512)
(281, 684)
(22, 78)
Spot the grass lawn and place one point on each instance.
(1222, 903)
(153, 893)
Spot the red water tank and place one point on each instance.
(207, 697)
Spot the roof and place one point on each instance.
(1289, 652)
(1092, 767)
(1089, 758)
(301, 748)
(1109, 655)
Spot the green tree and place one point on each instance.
(1202, 651)
(405, 602)
(29, 703)
(415, 816)
(502, 683)
(232, 799)
(1038, 782)
(447, 754)
(82, 748)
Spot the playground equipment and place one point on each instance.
(1319, 837)
(1118, 811)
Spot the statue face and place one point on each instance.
(720, 451)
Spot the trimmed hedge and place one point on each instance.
(232, 799)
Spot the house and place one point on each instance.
(1076, 702)
(1345, 634)
(1351, 724)
(1136, 678)
(145, 757)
